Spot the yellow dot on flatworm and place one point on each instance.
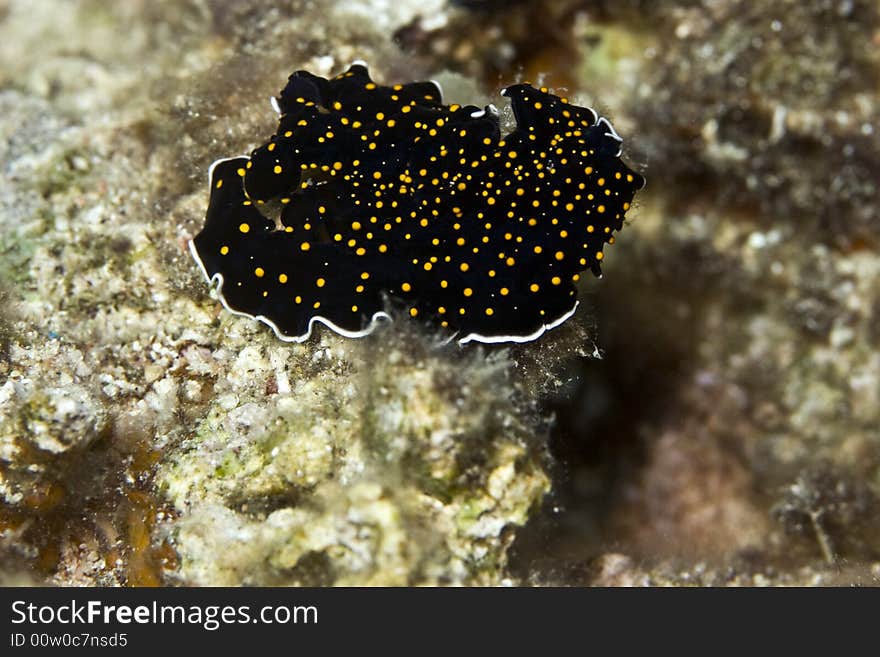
(320, 282)
(601, 208)
(504, 291)
(377, 175)
(240, 172)
(354, 309)
(224, 250)
(305, 246)
(464, 266)
(510, 262)
(599, 255)
(406, 287)
(360, 251)
(380, 116)
(626, 206)
(560, 255)
(282, 278)
(489, 311)
(428, 266)
(556, 280)
(258, 272)
(271, 147)
(219, 184)
(365, 275)
(538, 249)
(316, 305)
(277, 168)
(244, 228)
(298, 299)
(467, 292)
(413, 312)
(490, 200)
(441, 310)
(337, 105)
(370, 86)
(337, 165)
(444, 284)
(534, 287)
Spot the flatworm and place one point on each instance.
(389, 196)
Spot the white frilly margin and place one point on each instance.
(216, 281)
(492, 339)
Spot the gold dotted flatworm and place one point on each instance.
(387, 194)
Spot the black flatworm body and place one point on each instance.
(389, 195)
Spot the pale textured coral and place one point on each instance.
(387, 461)
(49, 404)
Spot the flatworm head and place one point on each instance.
(389, 196)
